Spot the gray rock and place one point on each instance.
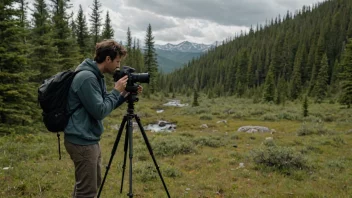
(204, 126)
(222, 121)
(254, 129)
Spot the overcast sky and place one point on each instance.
(200, 21)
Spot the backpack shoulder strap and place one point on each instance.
(101, 86)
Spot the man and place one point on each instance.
(90, 104)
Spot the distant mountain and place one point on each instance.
(171, 57)
(185, 46)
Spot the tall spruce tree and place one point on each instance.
(269, 86)
(82, 34)
(43, 49)
(95, 20)
(108, 31)
(296, 79)
(17, 99)
(321, 86)
(150, 61)
(138, 57)
(346, 76)
(129, 58)
(67, 48)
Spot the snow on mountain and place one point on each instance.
(185, 46)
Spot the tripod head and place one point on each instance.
(131, 99)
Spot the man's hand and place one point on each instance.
(120, 85)
(140, 89)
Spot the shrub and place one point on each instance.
(279, 158)
(145, 171)
(206, 117)
(170, 171)
(210, 141)
(172, 145)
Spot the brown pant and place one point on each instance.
(87, 161)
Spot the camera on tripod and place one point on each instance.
(133, 78)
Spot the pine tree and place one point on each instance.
(305, 106)
(150, 61)
(108, 31)
(82, 34)
(346, 76)
(139, 59)
(296, 80)
(95, 20)
(195, 98)
(17, 99)
(67, 48)
(269, 86)
(129, 58)
(318, 57)
(43, 49)
(321, 86)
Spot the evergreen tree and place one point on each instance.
(95, 20)
(43, 49)
(138, 57)
(269, 86)
(67, 48)
(108, 31)
(82, 34)
(129, 58)
(241, 73)
(318, 58)
(195, 98)
(296, 80)
(346, 76)
(321, 86)
(17, 99)
(150, 61)
(305, 106)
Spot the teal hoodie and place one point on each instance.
(92, 103)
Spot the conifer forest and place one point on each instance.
(290, 77)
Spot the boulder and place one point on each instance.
(254, 129)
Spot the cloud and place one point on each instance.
(173, 21)
(224, 12)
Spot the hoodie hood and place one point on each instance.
(90, 65)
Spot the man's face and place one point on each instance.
(112, 65)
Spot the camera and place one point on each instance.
(132, 78)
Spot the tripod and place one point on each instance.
(129, 146)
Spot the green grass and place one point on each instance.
(306, 157)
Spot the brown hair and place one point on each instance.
(108, 48)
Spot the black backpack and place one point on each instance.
(52, 97)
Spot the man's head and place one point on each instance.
(108, 54)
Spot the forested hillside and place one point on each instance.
(36, 43)
(288, 57)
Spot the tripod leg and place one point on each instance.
(124, 161)
(113, 151)
(129, 133)
(151, 153)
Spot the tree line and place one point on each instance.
(303, 53)
(53, 40)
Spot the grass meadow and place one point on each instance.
(301, 157)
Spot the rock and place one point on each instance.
(254, 129)
(222, 121)
(162, 124)
(204, 126)
(159, 111)
(269, 138)
(241, 165)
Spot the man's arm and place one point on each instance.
(91, 98)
